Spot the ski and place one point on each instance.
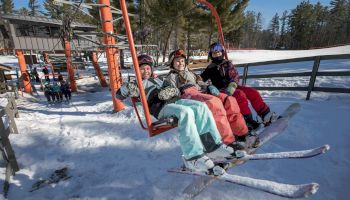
(277, 127)
(57, 176)
(280, 189)
(280, 155)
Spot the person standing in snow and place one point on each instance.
(48, 91)
(199, 138)
(224, 108)
(65, 89)
(225, 77)
(46, 73)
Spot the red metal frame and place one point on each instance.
(115, 79)
(152, 131)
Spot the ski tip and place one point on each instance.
(326, 148)
(312, 189)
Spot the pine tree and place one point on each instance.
(23, 11)
(301, 25)
(283, 35)
(54, 11)
(339, 20)
(7, 6)
(274, 31)
(33, 7)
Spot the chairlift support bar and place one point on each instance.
(149, 126)
(89, 6)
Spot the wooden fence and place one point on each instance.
(312, 74)
(7, 126)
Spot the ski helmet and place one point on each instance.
(216, 47)
(145, 59)
(175, 54)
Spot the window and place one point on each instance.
(55, 32)
(24, 30)
(42, 31)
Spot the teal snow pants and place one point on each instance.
(195, 124)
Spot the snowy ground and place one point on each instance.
(111, 157)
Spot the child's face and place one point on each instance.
(146, 71)
(216, 54)
(179, 63)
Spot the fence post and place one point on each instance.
(313, 76)
(245, 74)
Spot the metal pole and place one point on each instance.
(98, 70)
(313, 76)
(67, 52)
(136, 66)
(24, 73)
(115, 79)
(218, 22)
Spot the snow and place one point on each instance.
(109, 156)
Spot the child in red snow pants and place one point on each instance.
(225, 110)
(243, 94)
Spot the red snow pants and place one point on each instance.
(225, 111)
(243, 94)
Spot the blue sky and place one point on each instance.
(268, 8)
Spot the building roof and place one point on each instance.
(44, 20)
(5, 67)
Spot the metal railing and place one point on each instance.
(8, 126)
(312, 74)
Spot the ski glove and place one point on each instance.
(168, 93)
(133, 90)
(213, 90)
(231, 88)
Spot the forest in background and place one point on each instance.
(186, 24)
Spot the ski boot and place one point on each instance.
(268, 117)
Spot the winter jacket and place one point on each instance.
(152, 87)
(221, 74)
(184, 79)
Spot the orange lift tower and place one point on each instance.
(68, 54)
(24, 73)
(115, 79)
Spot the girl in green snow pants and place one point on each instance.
(195, 121)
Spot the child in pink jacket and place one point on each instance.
(225, 109)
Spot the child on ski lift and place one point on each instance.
(224, 108)
(199, 138)
(225, 77)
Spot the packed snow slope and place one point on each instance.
(109, 156)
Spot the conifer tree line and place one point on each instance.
(172, 24)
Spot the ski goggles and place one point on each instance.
(144, 59)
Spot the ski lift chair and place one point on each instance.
(162, 125)
(156, 127)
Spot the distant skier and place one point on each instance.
(225, 77)
(199, 137)
(48, 91)
(36, 75)
(56, 90)
(65, 89)
(224, 108)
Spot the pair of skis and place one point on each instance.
(285, 190)
(280, 189)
